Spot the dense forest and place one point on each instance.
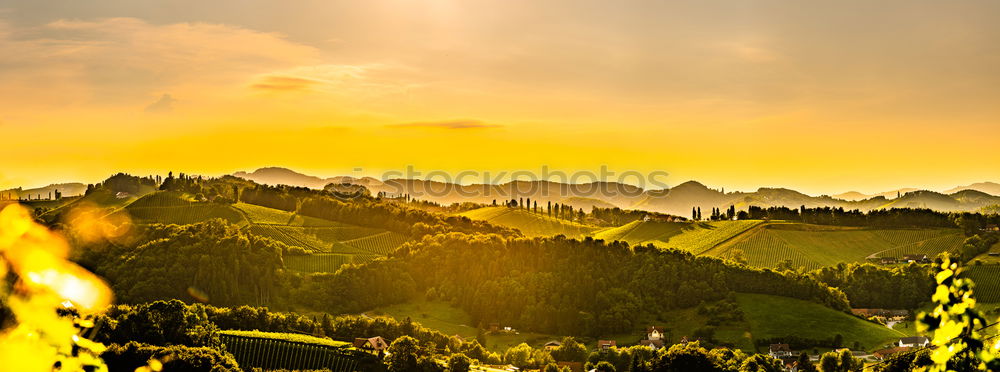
(553, 285)
(209, 261)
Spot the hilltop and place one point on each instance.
(66, 189)
(991, 188)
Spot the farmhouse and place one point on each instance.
(654, 338)
(920, 258)
(652, 344)
(913, 342)
(779, 351)
(375, 345)
(654, 333)
(552, 345)
(605, 345)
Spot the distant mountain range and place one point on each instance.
(678, 200)
(855, 196)
(67, 189)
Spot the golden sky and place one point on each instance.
(823, 97)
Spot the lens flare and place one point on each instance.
(48, 281)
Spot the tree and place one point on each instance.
(570, 351)
(518, 356)
(459, 363)
(806, 365)
(403, 354)
(955, 324)
(848, 363)
(690, 357)
(761, 363)
(829, 362)
(604, 366)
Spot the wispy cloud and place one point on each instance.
(451, 124)
(163, 105)
(284, 83)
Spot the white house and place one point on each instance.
(654, 333)
(779, 351)
(914, 342)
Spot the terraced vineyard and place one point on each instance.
(930, 247)
(379, 244)
(188, 214)
(696, 237)
(320, 239)
(529, 223)
(269, 351)
(813, 246)
(178, 208)
(264, 215)
(987, 280)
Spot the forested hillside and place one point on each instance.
(554, 285)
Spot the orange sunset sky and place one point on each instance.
(823, 97)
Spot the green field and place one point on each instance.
(773, 316)
(765, 317)
(695, 237)
(814, 246)
(531, 224)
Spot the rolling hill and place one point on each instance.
(67, 189)
(326, 245)
(530, 223)
(991, 188)
(695, 237)
(814, 246)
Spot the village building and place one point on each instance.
(780, 351)
(919, 258)
(654, 338)
(552, 345)
(375, 345)
(918, 341)
(605, 345)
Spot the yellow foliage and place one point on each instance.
(48, 281)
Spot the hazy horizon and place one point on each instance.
(825, 98)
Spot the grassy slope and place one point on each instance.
(766, 317)
(530, 224)
(696, 237)
(773, 316)
(814, 246)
